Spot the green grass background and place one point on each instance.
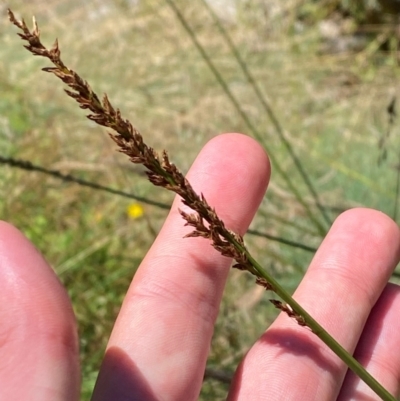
(332, 107)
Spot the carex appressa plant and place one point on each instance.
(162, 172)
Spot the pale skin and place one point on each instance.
(160, 341)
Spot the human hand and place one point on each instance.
(159, 345)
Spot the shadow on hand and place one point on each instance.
(301, 345)
(121, 380)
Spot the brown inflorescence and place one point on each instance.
(160, 171)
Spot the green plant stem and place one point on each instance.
(317, 329)
(246, 119)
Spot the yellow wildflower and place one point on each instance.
(134, 211)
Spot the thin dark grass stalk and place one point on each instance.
(282, 240)
(221, 376)
(391, 110)
(396, 201)
(383, 150)
(161, 172)
(246, 119)
(383, 141)
(29, 166)
(270, 112)
(301, 228)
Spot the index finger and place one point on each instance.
(160, 342)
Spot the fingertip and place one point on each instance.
(7, 230)
(237, 142)
(242, 148)
(378, 228)
(240, 168)
(363, 217)
(16, 248)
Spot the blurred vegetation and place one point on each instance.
(329, 70)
